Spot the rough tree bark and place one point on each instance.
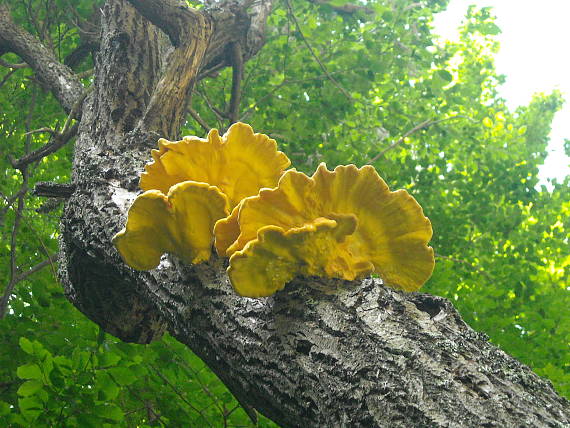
(357, 355)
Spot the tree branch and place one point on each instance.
(348, 8)
(7, 76)
(199, 119)
(190, 32)
(173, 17)
(13, 66)
(64, 85)
(49, 189)
(13, 268)
(47, 262)
(58, 141)
(315, 56)
(423, 125)
(237, 75)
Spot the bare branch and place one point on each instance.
(199, 119)
(13, 269)
(47, 262)
(348, 8)
(58, 139)
(219, 114)
(180, 395)
(42, 130)
(13, 66)
(315, 56)
(423, 125)
(58, 142)
(7, 76)
(53, 190)
(64, 85)
(237, 75)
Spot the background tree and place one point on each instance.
(331, 81)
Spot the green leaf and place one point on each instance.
(110, 411)
(490, 28)
(26, 345)
(122, 375)
(30, 407)
(444, 75)
(4, 408)
(29, 371)
(30, 387)
(107, 386)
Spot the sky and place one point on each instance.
(533, 56)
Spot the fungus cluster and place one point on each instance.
(233, 192)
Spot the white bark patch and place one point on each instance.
(64, 84)
(123, 198)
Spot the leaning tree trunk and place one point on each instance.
(322, 353)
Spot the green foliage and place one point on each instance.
(501, 239)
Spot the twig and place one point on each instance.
(346, 8)
(219, 115)
(13, 66)
(53, 190)
(7, 76)
(47, 262)
(237, 75)
(180, 395)
(18, 217)
(75, 109)
(59, 141)
(8, 201)
(211, 72)
(249, 410)
(199, 119)
(40, 130)
(423, 125)
(332, 79)
(250, 110)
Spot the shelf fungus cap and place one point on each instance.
(276, 256)
(239, 163)
(180, 223)
(390, 235)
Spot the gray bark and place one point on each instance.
(321, 353)
(59, 78)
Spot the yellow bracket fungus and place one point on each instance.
(239, 163)
(180, 223)
(204, 179)
(274, 225)
(390, 233)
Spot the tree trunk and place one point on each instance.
(321, 353)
